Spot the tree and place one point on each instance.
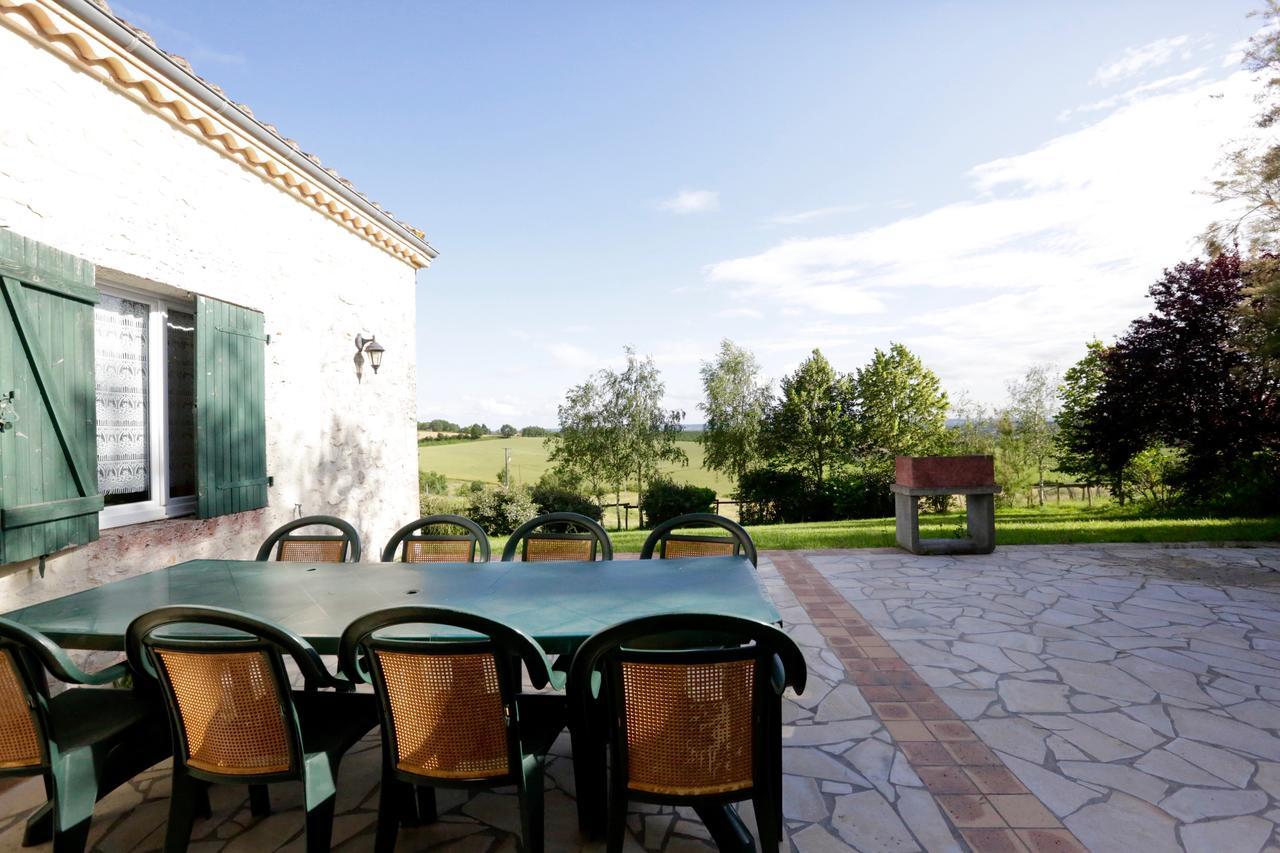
(647, 432)
(476, 431)
(734, 408)
(613, 428)
(1032, 405)
(534, 432)
(432, 483)
(585, 448)
(1177, 378)
(507, 431)
(901, 407)
(1250, 188)
(973, 432)
(1076, 453)
(809, 427)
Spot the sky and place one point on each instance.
(990, 183)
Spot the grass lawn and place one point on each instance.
(481, 460)
(1048, 526)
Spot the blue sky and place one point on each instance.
(989, 183)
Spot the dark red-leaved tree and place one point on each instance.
(1180, 377)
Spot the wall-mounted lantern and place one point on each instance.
(375, 350)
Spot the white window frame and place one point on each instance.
(160, 506)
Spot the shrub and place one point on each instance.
(665, 499)
(439, 505)
(553, 497)
(432, 483)
(770, 496)
(1153, 475)
(859, 495)
(476, 486)
(535, 432)
(500, 511)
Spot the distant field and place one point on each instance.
(482, 460)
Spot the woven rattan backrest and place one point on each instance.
(20, 740)
(688, 726)
(230, 709)
(459, 550)
(543, 547)
(676, 547)
(448, 713)
(312, 550)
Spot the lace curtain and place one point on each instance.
(120, 349)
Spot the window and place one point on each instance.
(144, 377)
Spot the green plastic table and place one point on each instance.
(558, 604)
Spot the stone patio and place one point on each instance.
(1120, 698)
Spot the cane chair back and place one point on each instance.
(447, 706)
(669, 707)
(573, 537)
(231, 707)
(689, 722)
(21, 731)
(230, 710)
(448, 712)
(452, 711)
(670, 545)
(548, 547)
(290, 547)
(425, 541)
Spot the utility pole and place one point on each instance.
(506, 467)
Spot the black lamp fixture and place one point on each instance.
(371, 346)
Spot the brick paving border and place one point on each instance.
(982, 799)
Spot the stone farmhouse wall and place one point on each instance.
(88, 171)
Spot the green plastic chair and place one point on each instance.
(671, 545)
(665, 715)
(410, 544)
(581, 541)
(312, 548)
(233, 718)
(85, 743)
(452, 711)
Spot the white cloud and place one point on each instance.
(1136, 60)
(743, 312)
(1173, 81)
(816, 213)
(692, 201)
(1055, 245)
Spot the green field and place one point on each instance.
(1050, 526)
(482, 460)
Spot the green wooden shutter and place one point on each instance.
(231, 426)
(48, 453)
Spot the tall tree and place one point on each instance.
(1250, 189)
(1177, 378)
(735, 404)
(585, 448)
(809, 427)
(901, 407)
(1075, 452)
(647, 432)
(1033, 402)
(613, 428)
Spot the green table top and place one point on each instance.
(558, 604)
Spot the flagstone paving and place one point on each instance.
(1039, 698)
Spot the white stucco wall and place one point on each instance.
(87, 171)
